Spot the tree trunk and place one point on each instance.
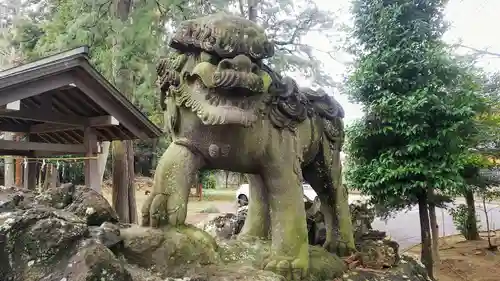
(132, 207)
(9, 164)
(471, 232)
(426, 254)
(123, 181)
(227, 177)
(120, 195)
(487, 223)
(434, 230)
(252, 10)
(123, 152)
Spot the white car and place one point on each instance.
(242, 194)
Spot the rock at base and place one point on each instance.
(53, 237)
(170, 251)
(80, 200)
(95, 262)
(379, 254)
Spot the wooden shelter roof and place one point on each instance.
(53, 99)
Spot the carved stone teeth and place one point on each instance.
(198, 105)
(200, 112)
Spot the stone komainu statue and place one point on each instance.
(225, 109)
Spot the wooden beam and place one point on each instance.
(54, 122)
(110, 105)
(52, 153)
(101, 121)
(33, 88)
(63, 56)
(40, 146)
(46, 117)
(46, 101)
(9, 152)
(32, 154)
(52, 128)
(16, 128)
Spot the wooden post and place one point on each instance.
(18, 169)
(91, 165)
(31, 171)
(50, 180)
(9, 173)
(19, 172)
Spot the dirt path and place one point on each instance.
(466, 260)
(198, 211)
(196, 208)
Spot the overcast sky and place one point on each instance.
(475, 22)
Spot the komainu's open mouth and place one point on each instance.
(229, 92)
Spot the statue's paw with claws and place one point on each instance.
(175, 175)
(158, 211)
(292, 269)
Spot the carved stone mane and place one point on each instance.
(291, 105)
(223, 35)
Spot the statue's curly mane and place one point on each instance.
(223, 35)
(290, 105)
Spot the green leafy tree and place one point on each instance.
(418, 107)
(484, 144)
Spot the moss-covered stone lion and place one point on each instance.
(225, 109)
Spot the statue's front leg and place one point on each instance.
(174, 177)
(290, 249)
